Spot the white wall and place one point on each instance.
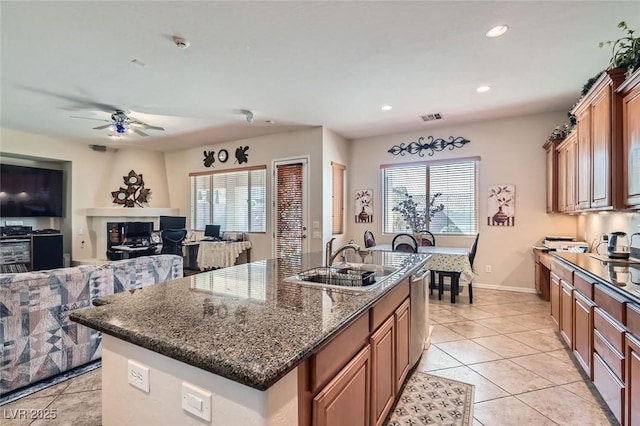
(94, 175)
(334, 148)
(262, 151)
(511, 153)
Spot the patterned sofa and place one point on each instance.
(38, 339)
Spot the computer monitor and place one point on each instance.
(136, 231)
(173, 222)
(212, 231)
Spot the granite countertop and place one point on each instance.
(623, 278)
(246, 323)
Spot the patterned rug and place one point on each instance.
(433, 400)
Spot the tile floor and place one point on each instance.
(504, 344)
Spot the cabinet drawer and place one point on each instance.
(633, 319)
(610, 388)
(610, 329)
(334, 355)
(583, 284)
(563, 271)
(545, 259)
(610, 356)
(610, 302)
(384, 308)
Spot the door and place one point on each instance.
(382, 371)
(290, 206)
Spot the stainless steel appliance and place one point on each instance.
(618, 246)
(419, 328)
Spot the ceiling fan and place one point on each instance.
(122, 123)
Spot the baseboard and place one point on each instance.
(504, 287)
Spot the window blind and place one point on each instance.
(289, 209)
(234, 200)
(456, 181)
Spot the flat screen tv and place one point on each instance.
(30, 192)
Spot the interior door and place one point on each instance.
(290, 208)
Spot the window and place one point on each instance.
(338, 198)
(457, 182)
(235, 200)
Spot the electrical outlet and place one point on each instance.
(487, 269)
(196, 401)
(138, 375)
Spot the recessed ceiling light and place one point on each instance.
(483, 89)
(386, 107)
(497, 31)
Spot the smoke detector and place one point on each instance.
(182, 43)
(431, 117)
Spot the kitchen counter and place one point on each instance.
(621, 277)
(246, 323)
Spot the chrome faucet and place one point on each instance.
(330, 255)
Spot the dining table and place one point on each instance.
(447, 259)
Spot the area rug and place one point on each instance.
(433, 400)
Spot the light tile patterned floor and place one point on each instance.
(505, 344)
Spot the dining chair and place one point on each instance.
(455, 276)
(369, 239)
(405, 243)
(172, 241)
(427, 238)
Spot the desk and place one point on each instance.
(128, 251)
(213, 254)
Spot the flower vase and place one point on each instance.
(363, 216)
(500, 217)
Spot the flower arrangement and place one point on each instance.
(503, 196)
(625, 51)
(416, 216)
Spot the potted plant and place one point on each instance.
(415, 215)
(625, 51)
(504, 198)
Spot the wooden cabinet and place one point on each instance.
(633, 380)
(567, 151)
(542, 273)
(566, 312)
(599, 148)
(403, 342)
(554, 295)
(630, 91)
(345, 400)
(552, 174)
(382, 371)
(583, 331)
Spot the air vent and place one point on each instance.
(431, 117)
(99, 148)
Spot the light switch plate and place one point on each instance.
(138, 375)
(316, 234)
(315, 224)
(196, 401)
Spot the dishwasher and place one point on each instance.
(419, 314)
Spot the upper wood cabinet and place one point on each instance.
(552, 174)
(630, 90)
(599, 174)
(567, 152)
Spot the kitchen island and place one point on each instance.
(226, 345)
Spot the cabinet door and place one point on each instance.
(583, 331)
(537, 277)
(601, 149)
(583, 160)
(382, 371)
(571, 175)
(562, 180)
(555, 298)
(552, 177)
(633, 380)
(344, 401)
(631, 156)
(566, 312)
(402, 316)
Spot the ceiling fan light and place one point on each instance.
(120, 128)
(112, 127)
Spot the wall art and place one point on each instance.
(432, 146)
(134, 194)
(364, 206)
(501, 205)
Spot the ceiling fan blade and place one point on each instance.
(147, 126)
(102, 127)
(89, 118)
(140, 132)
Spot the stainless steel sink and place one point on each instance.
(352, 276)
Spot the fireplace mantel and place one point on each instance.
(131, 212)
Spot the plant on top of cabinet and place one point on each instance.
(625, 51)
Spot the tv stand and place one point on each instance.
(35, 252)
